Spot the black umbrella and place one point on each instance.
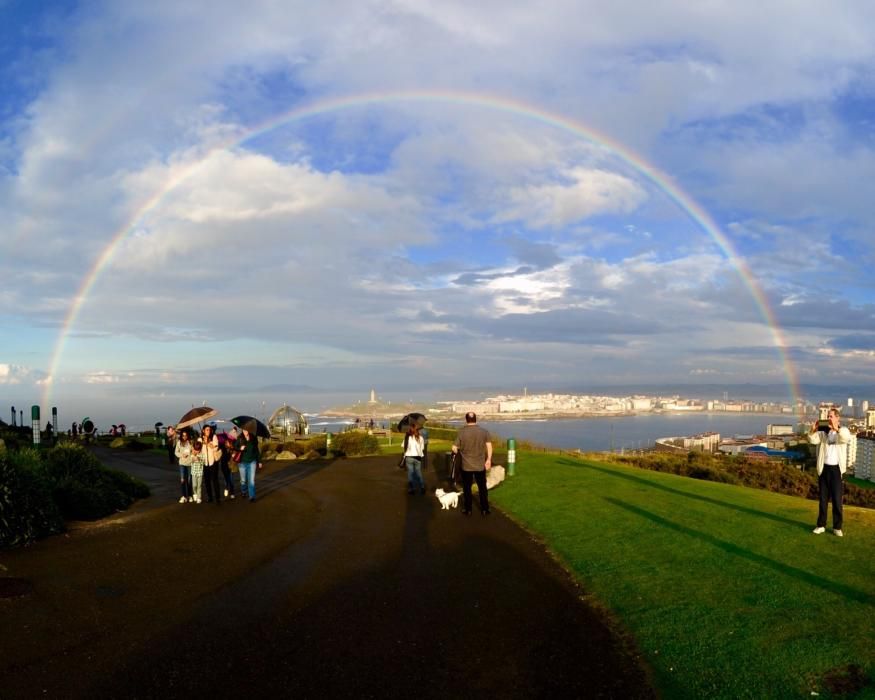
(416, 419)
(196, 415)
(253, 425)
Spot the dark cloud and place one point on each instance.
(854, 341)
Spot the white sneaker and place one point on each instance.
(226, 493)
(232, 495)
(819, 530)
(191, 499)
(197, 500)
(838, 533)
(182, 499)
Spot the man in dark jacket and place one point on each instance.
(475, 446)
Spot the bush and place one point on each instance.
(27, 510)
(83, 488)
(354, 443)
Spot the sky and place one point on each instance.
(271, 200)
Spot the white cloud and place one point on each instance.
(585, 193)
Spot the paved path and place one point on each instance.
(335, 583)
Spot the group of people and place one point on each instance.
(473, 444)
(201, 458)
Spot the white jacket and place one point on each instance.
(842, 440)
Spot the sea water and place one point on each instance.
(601, 434)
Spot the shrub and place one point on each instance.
(83, 488)
(354, 443)
(27, 510)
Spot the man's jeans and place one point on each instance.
(247, 478)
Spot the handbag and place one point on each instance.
(237, 456)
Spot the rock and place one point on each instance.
(494, 476)
(286, 455)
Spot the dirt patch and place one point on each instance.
(846, 680)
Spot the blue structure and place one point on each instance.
(780, 454)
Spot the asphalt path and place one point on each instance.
(334, 583)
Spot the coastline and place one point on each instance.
(545, 415)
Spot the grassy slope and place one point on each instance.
(725, 588)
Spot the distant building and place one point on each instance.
(706, 442)
(823, 409)
(479, 408)
(520, 406)
(638, 403)
(865, 466)
(779, 429)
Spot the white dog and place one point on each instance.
(448, 500)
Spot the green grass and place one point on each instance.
(725, 589)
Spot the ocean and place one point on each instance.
(631, 432)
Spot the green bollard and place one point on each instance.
(34, 419)
(511, 457)
(327, 444)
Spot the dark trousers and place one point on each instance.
(467, 479)
(211, 482)
(226, 472)
(829, 484)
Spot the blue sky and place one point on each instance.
(421, 245)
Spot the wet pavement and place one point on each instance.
(335, 583)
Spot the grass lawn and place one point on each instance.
(725, 588)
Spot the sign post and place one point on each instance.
(511, 457)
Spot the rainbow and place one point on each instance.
(502, 104)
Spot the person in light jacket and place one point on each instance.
(212, 456)
(414, 447)
(183, 452)
(832, 460)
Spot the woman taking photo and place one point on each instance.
(250, 456)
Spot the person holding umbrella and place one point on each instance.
(250, 458)
(414, 447)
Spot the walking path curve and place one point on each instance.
(334, 583)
